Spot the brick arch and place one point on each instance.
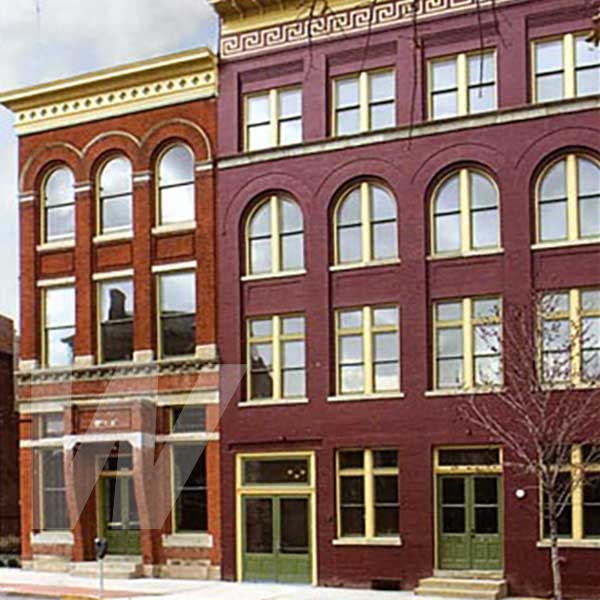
(40, 161)
(176, 130)
(110, 143)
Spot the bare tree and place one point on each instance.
(545, 412)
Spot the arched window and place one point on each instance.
(465, 214)
(569, 200)
(176, 186)
(366, 229)
(115, 195)
(275, 235)
(58, 201)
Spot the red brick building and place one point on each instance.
(9, 468)
(388, 181)
(117, 196)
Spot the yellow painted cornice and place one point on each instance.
(120, 90)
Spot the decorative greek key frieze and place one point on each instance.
(354, 20)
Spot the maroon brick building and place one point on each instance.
(118, 377)
(9, 468)
(388, 181)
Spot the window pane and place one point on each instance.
(116, 178)
(116, 299)
(586, 52)
(590, 300)
(291, 216)
(117, 213)
(189, 419)
(258, 108)
(346, 92)
(385, 316)
(259, 525)
(178, 318)
(177, 204)
(382, 86)
(447, 233)
(261, 328)
(52, 425)
(386, 347)
(60, 306)
(463, 457)
(589, 217)
(485, 229)
(261, 368)
(352, 379)
(290, 132)
(482, 68)
(261, 221)
(488, 371)
(486, 308)
(349, 212)
(294, 384)
(588, 177)
(549, 87)
(55, 514)
(450, 342)
(295, 526)
(549, 56)
(350, 319)
(282, 471)
(178, 293)
(60, 188)
(293, 354)
(387, 377)
(351, 349)
(482, 99)
(554, 184)
(450, 373)
(60, 347)
(382, 116)
(350, 244)
(449, 311)
(556, 302)
(259, 137)
(191, 504)
(445, 105)
(290, 103)
(60, 222)
(351, 459)
(447, 199)
(553, 219)
(385, 244)
(556, 335)
(176, 166)
(444, 74)
(588, 81)
(292, 325)
(483, 191)
(347, 121)
(385, 458)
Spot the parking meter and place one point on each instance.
(101, 549)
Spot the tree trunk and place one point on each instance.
(554, 554)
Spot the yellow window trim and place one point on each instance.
(467, 324)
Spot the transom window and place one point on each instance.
(177, 313)
(176, 182)
(462, 84)
(273, 118)
(59, 326)
(364, 102)
(368, 500)
(58, 201)
(565, 67)
(51, 425)
(116, 320)
(190, 513)
(275, 237)
(188, 419)
(368, 350)
(116, 195)
(468, 343)
(569, 200)
(276, 358)
(366, 228)
(570, 330)
(465, 214)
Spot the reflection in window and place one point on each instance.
(569, 200)
(276, 358)
(191, 504)
(275, 233)
(59, 205)
(176, 186)
(465, 214)
(116, 320)
(188, 419)
(59, 326)
(177, 313)
(116, 195)
(53, 501)
(365, 102)
(366, 227)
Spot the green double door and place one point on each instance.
(470, 522)
(120, 519)
(276, 539)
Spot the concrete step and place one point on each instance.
(448, 587)
(113, 569)
(470, 574)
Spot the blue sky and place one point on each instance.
(42, 40)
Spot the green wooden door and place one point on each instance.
(470, 522)
(276, 544)
(121, 525)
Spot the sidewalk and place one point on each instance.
(55, 585)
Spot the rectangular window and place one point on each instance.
(59, 326)
(188, 419)
(276, 471)
(468, 343)
(462, 84)
(276, 358)
(570, 332)
(368, 501)
(53, 501)
(565, 67)
(116, 320)
(368, 350)
(364, 102)
(177, 314)
(51, 426)
(191, 504)
(273, 118)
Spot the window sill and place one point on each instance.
(565, 243)
(470, 254)
(366, 397)
(191, 437)
(593, 544)
(365, 265)
(187, 540)
(56, 246)
(391, 541)
(462, 392)
(52, 538)
(279, 275)
(563, 386)
(166, 229)
(271, 402)
(115, 236)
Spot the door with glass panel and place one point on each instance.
(276, 542)
(470, 522)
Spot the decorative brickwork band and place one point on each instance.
(340, 22)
